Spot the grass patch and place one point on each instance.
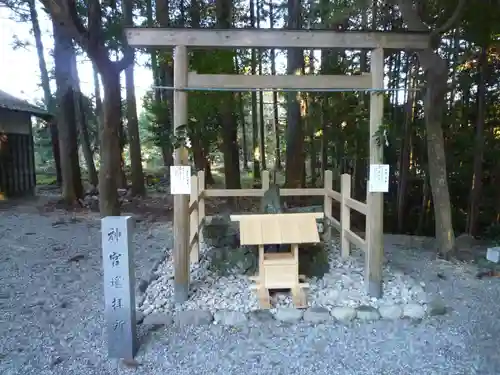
(45, 179)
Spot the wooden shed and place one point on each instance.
(17, 155)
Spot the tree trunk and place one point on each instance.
(54, 135)
(121, 176)
(434, 106)
(404, 164)
(229, 124)
(276, 124)
(165, 156)
(209, 178)
(68, 143)
(47, 95)
(85, 139)
(424, 208)
(241, 115)
(294, 132)
(110, 143)
(262, 125)
(137, 174)
(241, 109)
(91, 38)
(166, 79)
(98, 103)
(310, 115)
(477, 178)
(255, 120)
(81, 121)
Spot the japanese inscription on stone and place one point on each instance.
(119, 286)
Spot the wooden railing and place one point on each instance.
(198, 218)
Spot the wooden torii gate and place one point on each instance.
(181, 39)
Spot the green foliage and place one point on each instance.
(157, 120)
(335, 122)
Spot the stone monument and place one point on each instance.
(119, 286)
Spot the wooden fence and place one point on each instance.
(198, 218)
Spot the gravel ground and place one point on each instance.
(51, 319)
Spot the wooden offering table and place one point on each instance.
(278, 270)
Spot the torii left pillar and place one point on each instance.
(181, 201)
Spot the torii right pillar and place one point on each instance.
(375, 201)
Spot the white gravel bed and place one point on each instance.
(342, 286)
(51, 319)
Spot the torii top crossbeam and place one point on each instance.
(275, 38)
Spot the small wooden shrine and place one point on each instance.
(278, 270)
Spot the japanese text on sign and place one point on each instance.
(119, 285)
(116, 303)
(114, 235)
(379, 178)
(116, 282)
(180, 179)
(115, 259)
(118, 325)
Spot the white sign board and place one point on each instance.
(379, 178)
(180, 179)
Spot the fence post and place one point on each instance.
(265, 180)
(327, 205)
(194, 250)
(201, 205)
(345, 214)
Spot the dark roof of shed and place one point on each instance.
(12, 103)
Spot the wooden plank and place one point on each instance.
(192, 206)
(355, 239)
(239, 217)
(375, 217)
(334, 222)
(26, 156)
(251, 231)
(327, 203)
(333, 194)
(271, 231)
(17, 165)
(277, 229)
(193, 242)
(194, 245)
(356, 205)
(235, 81)
(298, 228)
(31, 160)
(20, 164)
(290, 230)
(345, 214)
(11, 191)
(307, 192)
(201, 204)
(181, 202)
(233, 193)
(276, 38)
(260, 192)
